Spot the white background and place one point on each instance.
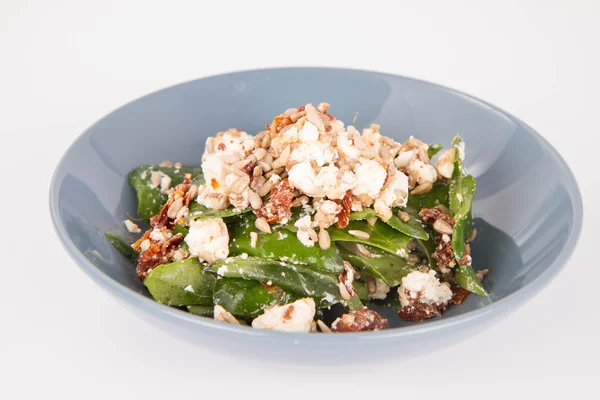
(64, 64)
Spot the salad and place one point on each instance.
(305, 226)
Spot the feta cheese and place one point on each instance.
(189, 289)
(424, 288)
(395, 193)
(132, 227)
(294, 317)
(334, 183)
(145, 245)
(345, 145)
(302, 176)
(320, 153)
(160, 235)
(215, 171)
(308, 133)
(445, 164)
(208, 239)
(370, 177)
(305, 227)
(165, 182)
(425, 172)
(381, 291)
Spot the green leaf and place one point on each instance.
(151, 200)
(300, 279)
(434, 148)
(366, 213)
(280, 245)
(203, 311)
(461, 194)
(413, 227)
(381, 235)
(465, 277)
(437, 195)
(181, 283)
(122, 245)
(248, 298)
(387, 267)
(198, 211)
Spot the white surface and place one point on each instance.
(65, 64)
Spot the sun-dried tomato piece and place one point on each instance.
(279, 122)
(430, 215)
(249, 169)
(157, 254)
(418, 311)
(279, 206)
(343, 215)
(359, 321)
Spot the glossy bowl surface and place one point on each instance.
(528, 207)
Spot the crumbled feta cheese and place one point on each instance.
(132, 227)
(318, 152)
(395, 193)
(381, 291)
(302, 176)
(370, 177)
(345, 145)
(160, 235)
(425, 172)
(423, 287)
(404, 158)
(189, 288)
(304, 226)
(208, 239)
(445, 164)
(294, 317)
(308, 133)
(215, 171)
(165, 183)
(222, 270)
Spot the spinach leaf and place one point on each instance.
(182, 283)
(381, 235)
(280, 245)
(122, 245)
(198, 211)
(151, 200)
(434, 148)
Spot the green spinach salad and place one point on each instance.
(305, 222)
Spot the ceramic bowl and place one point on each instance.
(528, 207)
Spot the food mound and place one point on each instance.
(307, 226)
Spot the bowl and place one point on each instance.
(527, 210)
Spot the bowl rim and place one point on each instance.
(507, 303)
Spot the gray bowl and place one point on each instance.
(528, 207)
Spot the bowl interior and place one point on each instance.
(527, 206)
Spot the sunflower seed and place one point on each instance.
(422, 188)
(254, 199)
(166, 163)
(155, 179)
(363, 251)
(262, 225)
(372, 221)
(239, 185)
(473, 235)
(240, 164)
(359, 234)
(265, 189)
(229, 158)
(371, 284)
(324, 328)
(442, 227)
(253, 239)
(175, 208)
(260, 153)
(404, 216)
(265, 167)
(412, 259)
(443, 209)
(344, 292)
(324, 239)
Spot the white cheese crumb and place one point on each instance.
(222, 270)
(189, 288)
(294, 317)
(208, 239)
(370, 177)
(423, 287)
(131, 226)
(145, 245)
